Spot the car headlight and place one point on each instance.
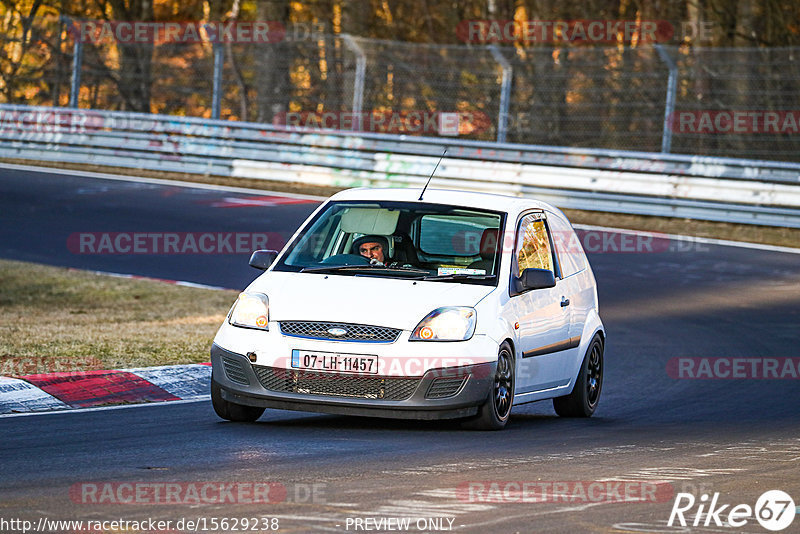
(456, 323)
(251, 310)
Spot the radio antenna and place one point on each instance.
(431, 176)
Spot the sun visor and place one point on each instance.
(370, 221)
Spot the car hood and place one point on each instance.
(378, 301)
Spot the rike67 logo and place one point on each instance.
(774, 510)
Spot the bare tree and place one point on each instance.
(273, 87)
(134, 76)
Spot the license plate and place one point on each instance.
(335, 362)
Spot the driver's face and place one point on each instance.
(372, 250)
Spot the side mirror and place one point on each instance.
(536, 279)
(262, 259)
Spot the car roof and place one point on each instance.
(469, 199)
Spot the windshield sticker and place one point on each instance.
(444, 271)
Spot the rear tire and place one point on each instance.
(231, 411)
(494, 413)
(585, 396)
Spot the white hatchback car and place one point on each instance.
(457, 305)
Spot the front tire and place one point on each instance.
(585, 396)
(496, 410)
(232, 411)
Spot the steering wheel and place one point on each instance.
(345, 259)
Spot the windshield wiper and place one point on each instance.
(460, 276)
(368, 269)
(329, 268)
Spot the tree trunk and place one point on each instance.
(134, 76)
(272, 64)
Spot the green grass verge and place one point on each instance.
(53, 319)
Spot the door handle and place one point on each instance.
(564, 302)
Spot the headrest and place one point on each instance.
(488, 243)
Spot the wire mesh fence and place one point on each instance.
(740, 102)
(593, 97)
(34, 66)
(262, 82)
(443, 78)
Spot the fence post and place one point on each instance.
(505, 93)
(669, 107)
(361, 66)
(216, 94)
(77, 63)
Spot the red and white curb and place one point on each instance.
(86, 389)
(89, 389)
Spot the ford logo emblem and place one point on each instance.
(338, 332)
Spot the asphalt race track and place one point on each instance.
(736, 437)
(40, 212)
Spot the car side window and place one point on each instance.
(568, 247)
(533, 248)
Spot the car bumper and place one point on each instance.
(445, 393)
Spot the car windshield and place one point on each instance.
(399, 240)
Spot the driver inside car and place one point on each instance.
(373, 247)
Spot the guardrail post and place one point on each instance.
(361, 66)
(669, 107)
(77, 64)
(505, 93)
(216, 91)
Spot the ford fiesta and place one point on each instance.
(391, 304)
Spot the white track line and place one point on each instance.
(183, 283)
(156, 181)
(693, 239)
(199, 398)
(213, 187)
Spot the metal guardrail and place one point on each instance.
(721, 189)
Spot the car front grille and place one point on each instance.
(441, 388)
(234, 370)
(353, 332)
(335, 385)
